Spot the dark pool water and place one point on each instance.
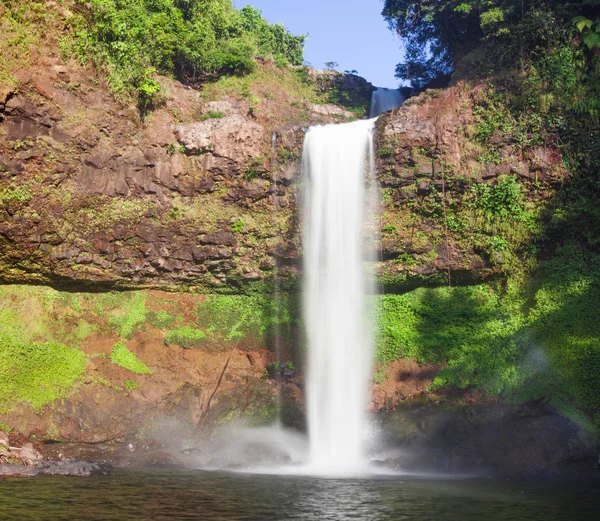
(187, 494)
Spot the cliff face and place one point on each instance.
(201, 195)
(449, 199)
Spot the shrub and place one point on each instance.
(504, 199)
(121, 356)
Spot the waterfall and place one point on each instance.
(383, 100)
(335, 160)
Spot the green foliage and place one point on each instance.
(211, 114)
(388, 228)
(129, 318)
(33, 372)
(121, 356)
(590, 31)
(231, 317)
(534, 340)
(131, 385)
(185, 337)
(491, 17)
(195, 40)
(504, 199)
(438, 34)
(162, 319)
(379, 377)
(19, 195)
(254, 167)
(237, 226)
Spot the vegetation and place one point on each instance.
(193, 40)
(130, 385)
(185, 337)
(128, 319)
(532, 340)
(232, 317)
(161, 319)
(439, 34)
(36, 372)
(121, 356)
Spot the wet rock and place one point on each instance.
(20, 471)
(29, 454)
(504, 440)
(74, 468)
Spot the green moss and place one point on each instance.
(121, 356)
(161, 319)
(127, 320)
(538, 339)
(131, 385)
(83, 330)
(185, 337)
(33, 372)
(231, 317)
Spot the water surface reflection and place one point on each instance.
(186, 494)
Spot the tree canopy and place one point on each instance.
(438, 32)
(194, 40)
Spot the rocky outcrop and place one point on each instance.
(429, 165)
(23, 460)
(346, 89)
(90, 195)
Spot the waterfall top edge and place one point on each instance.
(367, 123)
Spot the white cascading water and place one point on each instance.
(383, 100)
(335, 160)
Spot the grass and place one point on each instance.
(266, 79)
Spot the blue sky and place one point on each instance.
(350, 32)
